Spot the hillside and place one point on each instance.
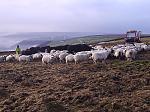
(86, 87)
(86, 39)
(12, 39)
(114, 86)
(28, 43)
(60, 41)
(44, 39)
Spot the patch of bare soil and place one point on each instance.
(114, 86)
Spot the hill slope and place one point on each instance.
(28, 43)
(85, 39)
(114, 86)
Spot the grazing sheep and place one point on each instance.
(62, 56)
(52, 51)
(37, 56)
(17, 56)
(98, 47)
(69, 58)
(48, 59)
(64, 51)
(3, 58)
(56, 55)
(130, 54)
(148, 48)
(80, 57)
(144, 47)
(10, 58)
(26, 58)
(101, 55)
(118, 53)
(43, 54)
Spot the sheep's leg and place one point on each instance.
(75, 62)
(95, 62)
(66, 62)
(129, 59)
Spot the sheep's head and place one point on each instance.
(30, 58)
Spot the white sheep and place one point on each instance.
(46, 59)
(144, 47)
(98, 47)
(69, 58)
(130, 54)
(101, 55)
(52, 51)
(37, 56)
(17, 56)
(3, 58)
(64, 51)
(81, 57)
(62, 56)
(26, 58)
(118, 53)
(148, 48)
(10, 58)
(43, 54)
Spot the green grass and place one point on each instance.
(86, 40)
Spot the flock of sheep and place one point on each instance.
(99, 53)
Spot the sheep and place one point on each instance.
(99, 47)
(144, 47)
(118, 53)
(37, 56)
(52, 51)
(141, 46)
(43, 54)
(81, 57)
(56, 55)
(64, 51)
(101, 55)
(17, 56)
(148, 48)
(26, 58)
(10, 58)
(130, 54)
(3, 58)
(46, 59)
(69, 58)
(62, 56)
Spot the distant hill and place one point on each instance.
(78, 40)
(84, 39)
(54, 36)
(28, 43)
(70, 41)
(12, 39)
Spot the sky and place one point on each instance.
(104, 16)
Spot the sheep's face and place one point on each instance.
(30, 58)
(4, 57)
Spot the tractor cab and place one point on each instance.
(133, 36)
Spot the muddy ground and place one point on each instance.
(114, 86)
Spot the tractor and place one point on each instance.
(133, 36)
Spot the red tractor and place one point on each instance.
(133, 36)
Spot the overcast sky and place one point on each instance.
(105, 16)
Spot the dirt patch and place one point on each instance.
(113, 86)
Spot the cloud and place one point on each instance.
(106, 16)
